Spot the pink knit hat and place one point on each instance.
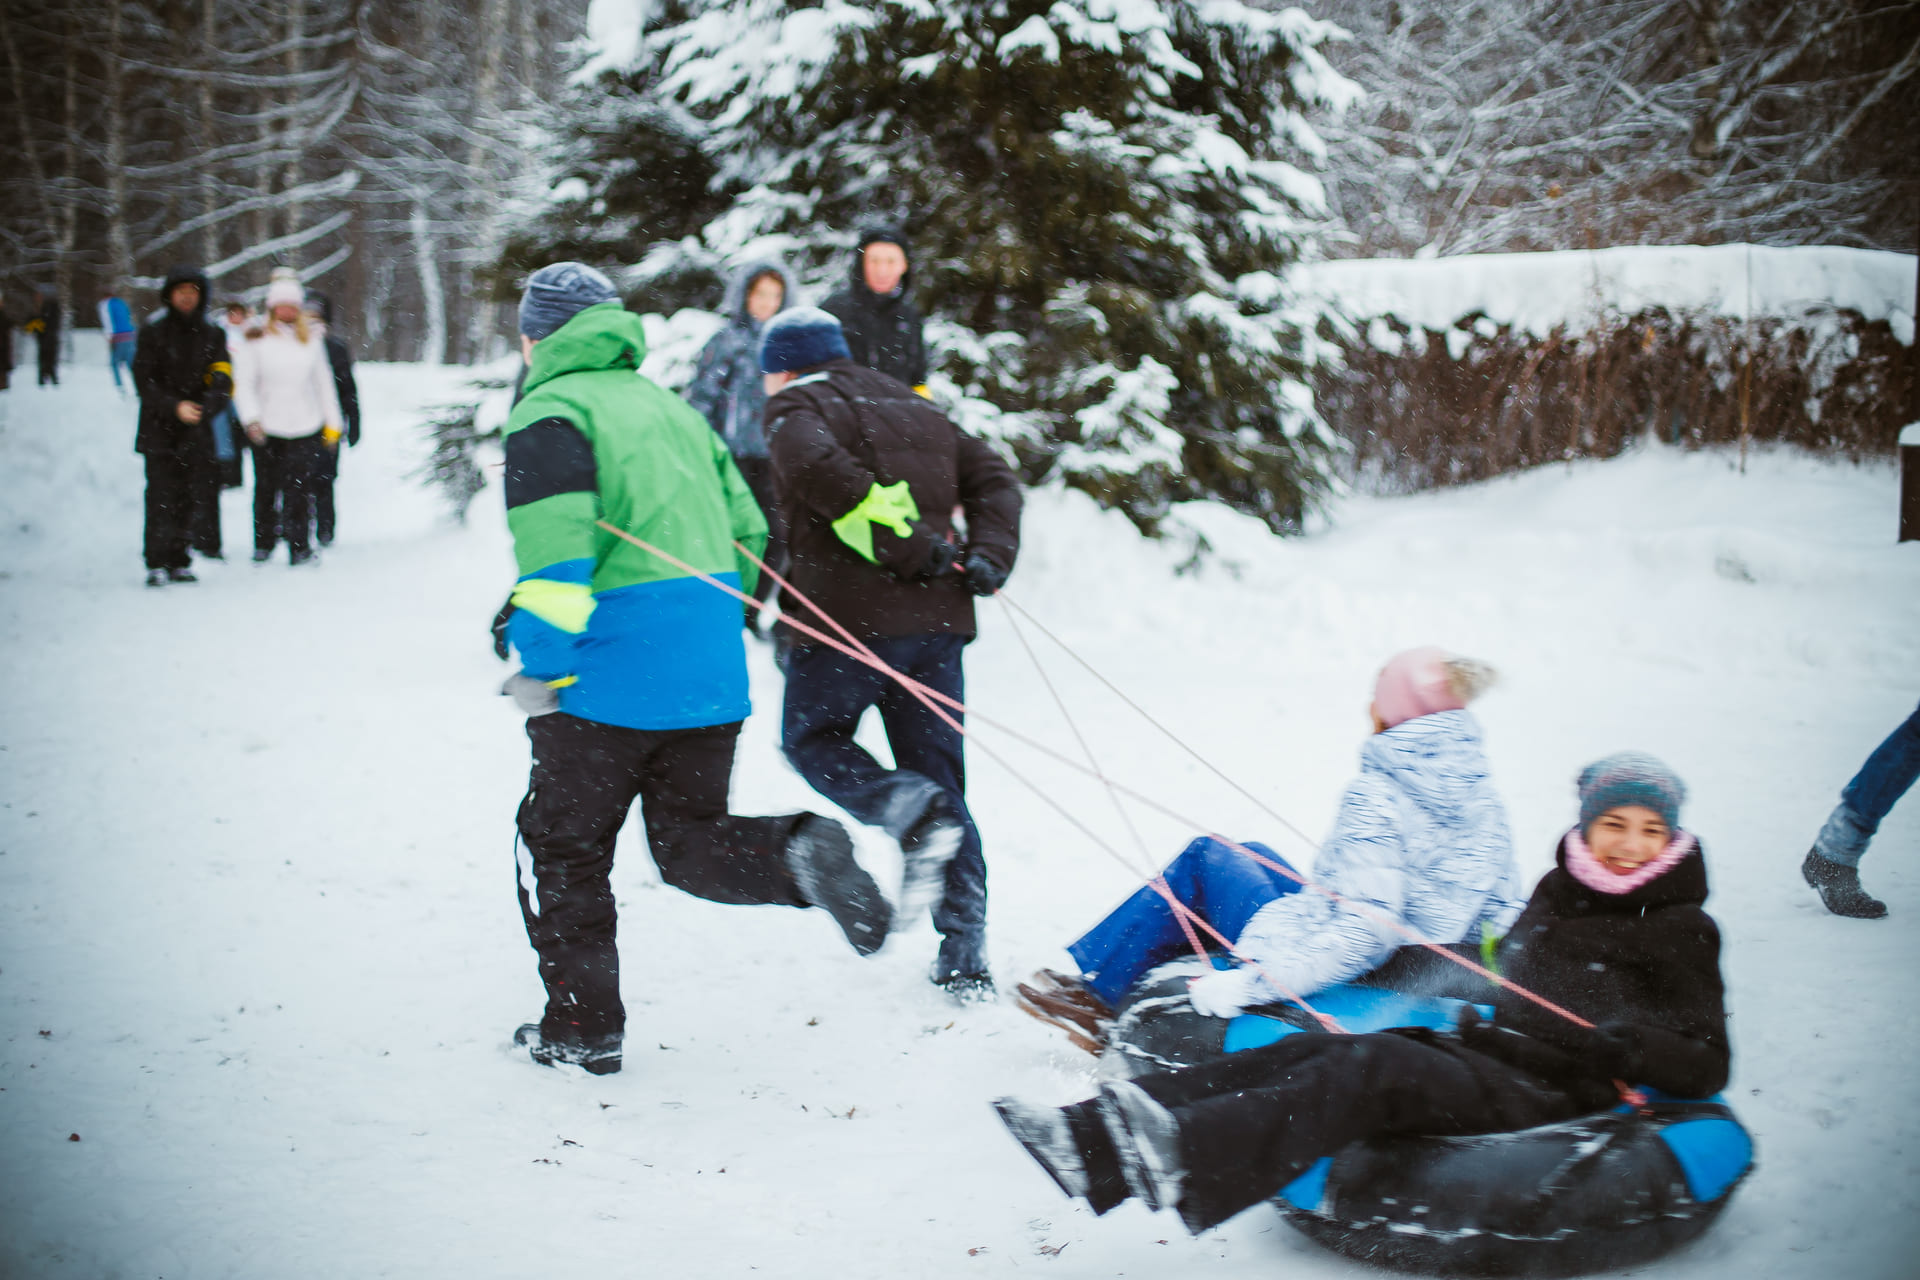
(1415, 683)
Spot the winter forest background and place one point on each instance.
(1105, 197)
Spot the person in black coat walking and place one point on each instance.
(340, 360)
(868, 476)
(6, 344)
(1616, 933)
(45, 328)
(881, 325)
(181, 370)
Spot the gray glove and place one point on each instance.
(535, 697)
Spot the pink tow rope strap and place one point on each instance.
(1186, 917)
(928, 696)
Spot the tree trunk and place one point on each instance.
(433, 298)
(296, 62)
(485, 179)
(209, 183)
(119, 243)
(70, 166)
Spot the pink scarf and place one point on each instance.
(1587, 869)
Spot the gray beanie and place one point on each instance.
(1630, 777)
(559, 292)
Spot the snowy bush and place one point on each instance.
(1101, 197)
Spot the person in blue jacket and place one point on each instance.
(730, 392)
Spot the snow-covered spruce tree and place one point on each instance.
(1098, 196)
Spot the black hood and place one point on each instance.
(184, 275)
(1682, 885)
(881, 234)
(322, 303)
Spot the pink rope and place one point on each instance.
(1183, 914)
(928, 696)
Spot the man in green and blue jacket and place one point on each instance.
(633, 670)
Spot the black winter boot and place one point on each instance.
(1839, 887)
(598, 1056)
(820, 855)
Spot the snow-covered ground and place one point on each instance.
(259, 950)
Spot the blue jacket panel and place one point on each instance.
(658, 655)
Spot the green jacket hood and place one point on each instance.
(606, 336)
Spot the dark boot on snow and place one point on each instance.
(820, 855)
(922, 818)
(975, 987)
(1048, 1138)
(597, 1055)
(1147, 1138)
(181, 575)
(1839, 887)
(156, 577)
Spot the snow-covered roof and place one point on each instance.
(1538, 292)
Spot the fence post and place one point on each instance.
(1910, 483)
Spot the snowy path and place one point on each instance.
(259, 950)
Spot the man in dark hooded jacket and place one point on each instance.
(880, 323)
(869, 476)
(181, 371)
(340, 360)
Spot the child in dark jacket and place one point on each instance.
(1615, 934)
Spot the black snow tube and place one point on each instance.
(1613, 1189)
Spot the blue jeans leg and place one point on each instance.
(1886, 776)
(1221, 885)
(827, 693)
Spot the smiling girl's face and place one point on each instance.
(1625, 839)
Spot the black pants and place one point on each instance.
(827, 693)
(203, 526)
(49, 359)
(323, 479)
(283, 472)
(170, 504)
(1253, 1121)
(585, 777)
(758, 473)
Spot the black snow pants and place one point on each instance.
(585, 777)
(1253, 1121)
(170, 503)
(283, 475)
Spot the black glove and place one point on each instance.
(507, 610)
(940, 560)
(984, 577)
(1614, 1048)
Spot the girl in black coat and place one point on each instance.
(1615, 934)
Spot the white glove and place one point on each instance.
(1222, 993)
(535, 697)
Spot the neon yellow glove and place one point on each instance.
(890, 505)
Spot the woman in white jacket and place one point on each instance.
(1421, 838)
(283, 391)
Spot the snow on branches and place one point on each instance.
(1085, 185)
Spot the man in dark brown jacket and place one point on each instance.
(868, 476)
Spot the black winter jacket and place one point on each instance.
(883, 332)
(340, 360)
(1644, 966)
(180, 358)
(833, 435)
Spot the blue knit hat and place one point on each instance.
(559, 292)
(801, 338)
(1630, 777)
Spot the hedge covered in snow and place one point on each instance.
(1457, 369)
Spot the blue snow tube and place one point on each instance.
(1612, 1189)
